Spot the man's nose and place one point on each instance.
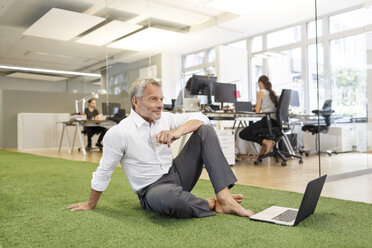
(159, 103)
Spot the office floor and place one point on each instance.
(292, 177)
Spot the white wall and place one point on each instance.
(232, 67)
(171, 65)
(8, 83)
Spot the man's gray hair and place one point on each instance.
(137, 87)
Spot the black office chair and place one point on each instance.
(278, 133)
(323, 126)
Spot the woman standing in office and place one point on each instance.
(267, 101)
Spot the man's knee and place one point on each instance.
(206, 129)
(167, 200)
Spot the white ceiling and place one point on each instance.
(201, 25)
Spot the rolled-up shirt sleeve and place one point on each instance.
(113, 151)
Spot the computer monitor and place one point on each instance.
(111, 108)
(203, 85)
(295, 100)
(224, 93)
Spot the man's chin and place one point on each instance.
(156, 116)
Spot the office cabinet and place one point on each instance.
(338, 139)
(227, 141)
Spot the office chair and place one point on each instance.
(278, 133)
(323, 127)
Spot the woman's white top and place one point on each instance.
(267, 105)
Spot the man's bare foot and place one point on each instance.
(232, 207)
(238, 198)
(211, 202)
(228, 204)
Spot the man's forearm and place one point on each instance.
(190, 126)
(94, 197)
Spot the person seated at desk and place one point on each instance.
(187, 94)
(91, 113)
(267, 101)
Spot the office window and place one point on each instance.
(239, 44)
(310, 31)
(285, 72)
(284, 37)
(312, 77)
(348, 20)
(211, 55)
(256, 44)
(348, 75)
(194, 59)
(211, 70)
(257, 69)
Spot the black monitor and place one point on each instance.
(224, 93)
(111, 108)
(203, 85)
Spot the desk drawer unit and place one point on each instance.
(227, 141)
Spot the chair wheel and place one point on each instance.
(301, 162)
(256, 162)
(307, 154)
(284, 163)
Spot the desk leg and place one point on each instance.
(73, 140)
(81, 139)
(61, 139)
(67, 138)
(288, 145)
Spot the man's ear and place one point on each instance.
(134, 101)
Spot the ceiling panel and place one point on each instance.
(62, 24)
(145, 39)
(164, 12)
(108, 33)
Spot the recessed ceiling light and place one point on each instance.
(108, 33)
(145, 39)
(32, 76)
(62, 24)
(29, 69)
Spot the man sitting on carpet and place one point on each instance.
(141, 143)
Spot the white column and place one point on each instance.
(369, 72)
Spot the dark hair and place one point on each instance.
(267, 84)
(188, 84)
(90, 100)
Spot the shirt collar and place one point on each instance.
(138, 120)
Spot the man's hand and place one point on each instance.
(81, 206)
(89, 205)
(168, 136)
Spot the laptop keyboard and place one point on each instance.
(287, 216)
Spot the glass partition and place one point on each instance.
(344, 78)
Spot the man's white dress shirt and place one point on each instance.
(133, 143)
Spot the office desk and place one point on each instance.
(240, 119)
(77, 124)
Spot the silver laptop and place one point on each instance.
(292, 216)
(191, 105)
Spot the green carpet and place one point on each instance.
(35, 191)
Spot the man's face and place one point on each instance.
(92, 104)
(150, 105)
